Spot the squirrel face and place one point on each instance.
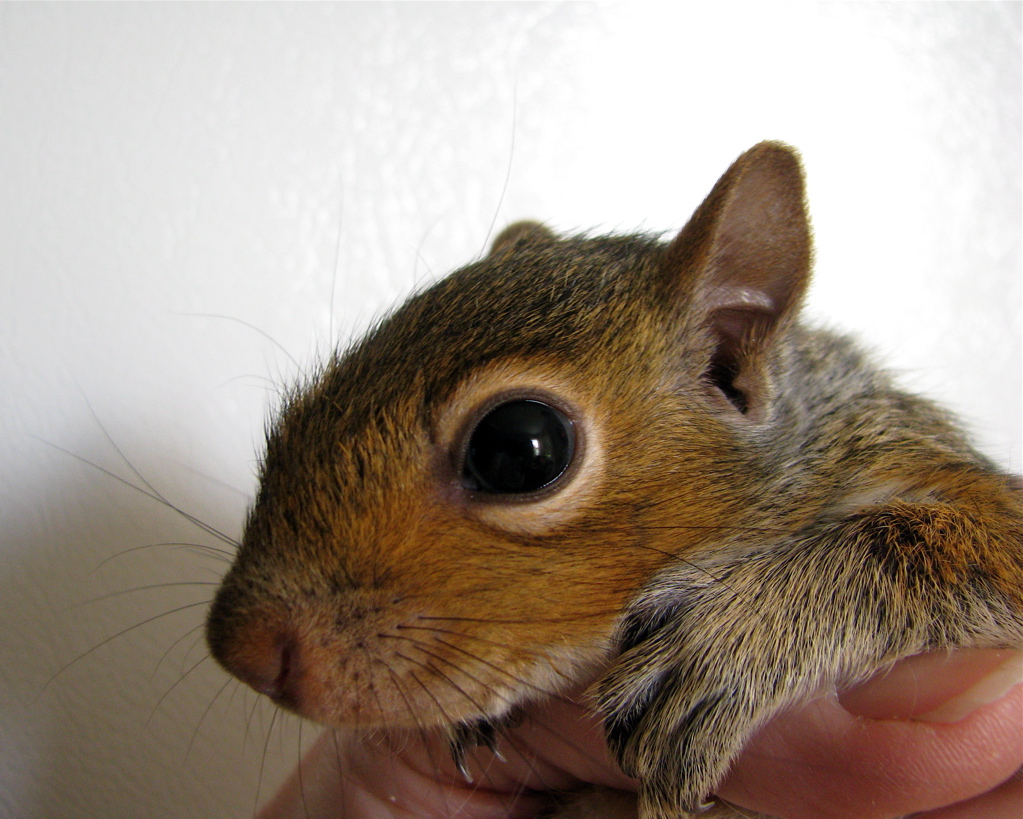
(615, 456)
(375, 558)
(378, 557)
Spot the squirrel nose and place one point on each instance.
(261, 653)
(265, 662)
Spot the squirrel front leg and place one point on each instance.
(719, 644)
(603, 803)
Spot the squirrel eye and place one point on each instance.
(519, 446)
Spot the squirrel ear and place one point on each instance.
(745, 257)
(519, 234)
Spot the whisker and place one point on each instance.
(120, 453)
(456, 754)
(252, 327)
(257, 702)
(239, 686)
(177, 682)
(470, 655)
(206, 712)
(722, 527)
(396, 681)
(507, 172)
(478, 706)
(500, 621)
(374, 692)
(272, 388)
(198, 548)
(171, 647)
(266, 750)
(134, 589)
(152, 494)
(419, 645)
(427, 690)
(514, 678)
(301, 779)
(342, 778)
(337, 259)
(691, 564)
(458, 750)
(199, 638)
(113, 637)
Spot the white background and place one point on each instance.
(180, 184)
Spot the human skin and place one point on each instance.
(939, 736)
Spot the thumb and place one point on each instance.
(933, 731)
(555, 746)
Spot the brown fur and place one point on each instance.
(731, 462)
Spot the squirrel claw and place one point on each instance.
(478, 734)
(456, 747)
(463, 769)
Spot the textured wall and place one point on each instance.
(196, 199)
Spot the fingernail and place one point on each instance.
(941, 687)
(988, 689)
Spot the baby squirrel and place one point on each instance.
(620, 456)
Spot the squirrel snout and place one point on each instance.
(266, 662)
(260, 652)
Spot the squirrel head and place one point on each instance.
(453, 514)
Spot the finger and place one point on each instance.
(556, 747)
(823, 762)
(568, 736)
(391, 778)
(1004, 802)
(314, 788)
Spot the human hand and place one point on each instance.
(940, 736)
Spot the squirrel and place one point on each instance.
(617, 456)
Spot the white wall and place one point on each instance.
(181, 183)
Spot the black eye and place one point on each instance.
(519, 446)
